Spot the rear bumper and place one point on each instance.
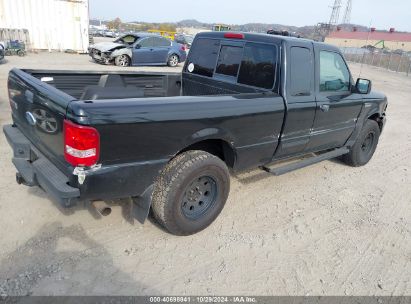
(34, 169)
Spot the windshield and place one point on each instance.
(127, 39)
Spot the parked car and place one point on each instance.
(185, 40)
(2, 49)
(168, 140)
(139, 49)
(110, 34)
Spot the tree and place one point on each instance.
(114, 24)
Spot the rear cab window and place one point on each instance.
(241, 62)
(229, 60)
(301, 71)
(203, 57)
(258, 65)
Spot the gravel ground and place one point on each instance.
(328, 229)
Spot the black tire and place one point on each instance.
(122, 61)
(7, 53)
(363, 149)
(21, 53)
(190, 192)
(173, 60)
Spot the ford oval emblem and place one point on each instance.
(31, 119)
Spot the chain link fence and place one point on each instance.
(397, 61)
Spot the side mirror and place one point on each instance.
(137, 46)
(363, 86)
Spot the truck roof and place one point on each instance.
(265, 38)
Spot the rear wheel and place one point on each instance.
(173, 60)
(21, 53)
(122, 60)
(365, 145)
(190, 192)
(7, 53)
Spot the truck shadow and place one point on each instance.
(252, 176)
(123, 204)
(61, 260)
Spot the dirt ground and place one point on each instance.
(328, 229)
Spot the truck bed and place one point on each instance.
(85, 85)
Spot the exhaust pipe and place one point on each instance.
(102, 208)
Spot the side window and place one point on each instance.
(301, 71)
(229, 60)
(334, 74)
(258, 66)
(203, 57)
(146, 42)
(161, 42)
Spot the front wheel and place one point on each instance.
(190, 192)
(364, 147)
(122, 60)
(173, 60)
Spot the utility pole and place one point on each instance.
(335, 14)
(322, 30)
(347, 14)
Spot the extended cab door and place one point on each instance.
(337, 107)
(299, 92)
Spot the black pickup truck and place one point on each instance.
(168, 141)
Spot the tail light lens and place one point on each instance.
(81, 144)
(183, 48)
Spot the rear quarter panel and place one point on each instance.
(150, 129)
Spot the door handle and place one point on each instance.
(325, 107)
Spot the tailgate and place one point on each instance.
(38, 110)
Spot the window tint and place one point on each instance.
(334, 75)
(229, 60)
(204, 56)
(161, 42)
(258, 65)
(147, 42)
(301, 71)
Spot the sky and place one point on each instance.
(382, 14)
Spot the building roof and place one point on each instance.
(386, 36)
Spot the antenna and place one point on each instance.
(366, 43)
(347, 14)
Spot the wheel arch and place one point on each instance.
(171, 53)
(122, 51)
(377, 117)
(217, 147)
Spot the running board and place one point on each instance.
(306, 162)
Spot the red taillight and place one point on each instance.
(183, 48)
(81, 144)
(234, 35)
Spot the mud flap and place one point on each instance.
(141, 205)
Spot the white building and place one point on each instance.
(52, 24)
